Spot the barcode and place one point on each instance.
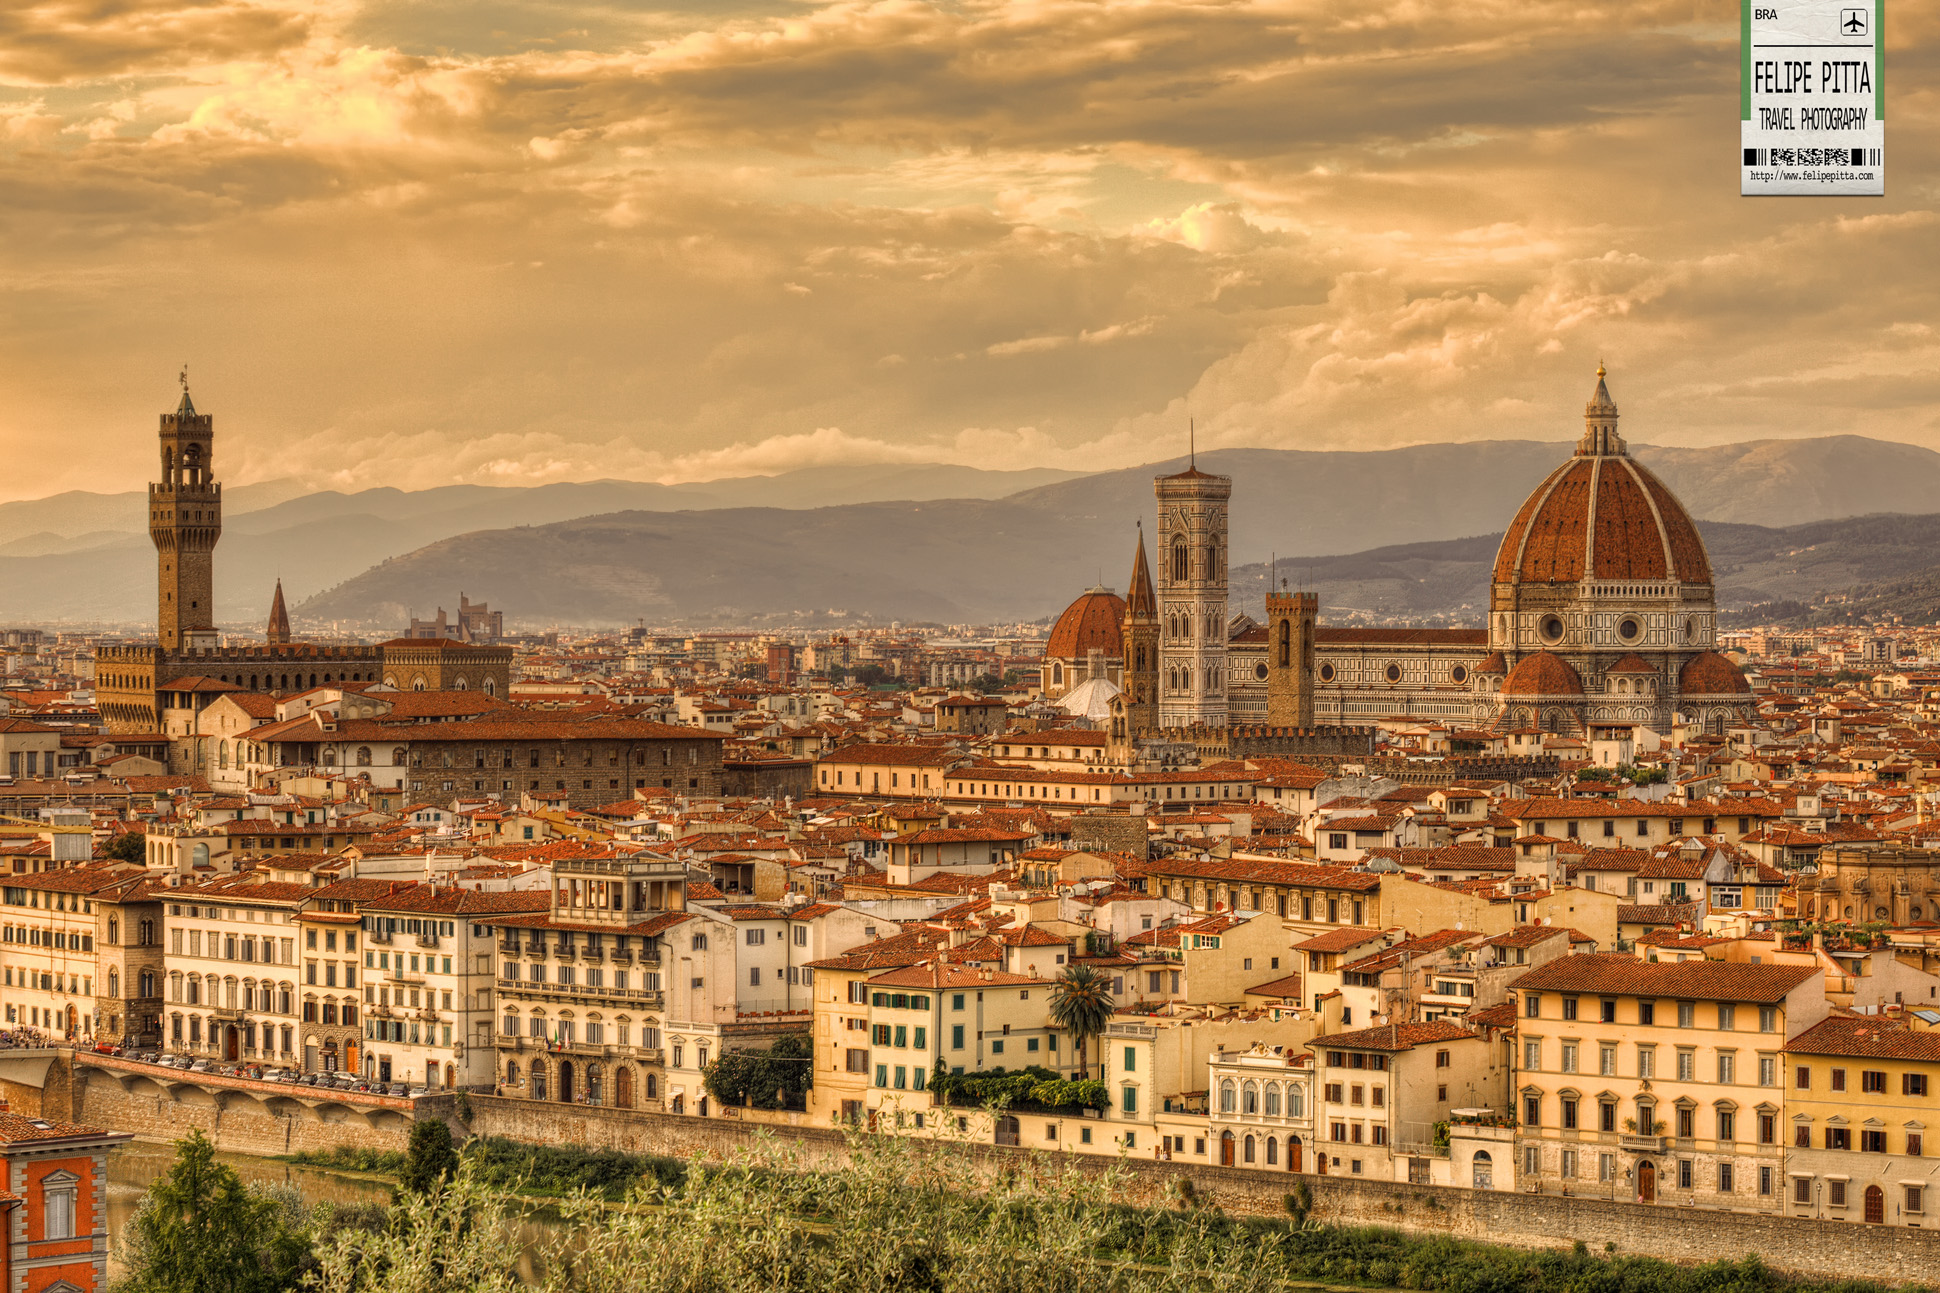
(1813, 156)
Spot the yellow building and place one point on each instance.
(1657, 1082)
(1857, 1098)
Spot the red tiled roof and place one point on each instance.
(1393, 1037)
(1620, 975)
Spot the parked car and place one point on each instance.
(309, 1079)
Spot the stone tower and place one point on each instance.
(1141, 635)
(279, 619)
(1290, 657)
(185, 521)
(1192, 598)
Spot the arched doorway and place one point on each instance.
(565, 1081)
(1225, 1149)
(623, 1087)
(1875, 1206)
(1646, 1182)
(350, 1056)
(451, 1076)
(1294, 1149)
(1482, 1171)
(231, 1043)
(594, 1085)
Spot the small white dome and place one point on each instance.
(1089, 699)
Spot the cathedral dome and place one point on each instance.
(1710, 674)
(1601, 516)
(1542, 674)
(1095, 620)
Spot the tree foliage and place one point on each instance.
(430, 1160)
(200, 1229)
(1034, 1086)
(129, 846)
(1082, 1005)
(777, 1078)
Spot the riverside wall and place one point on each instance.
(1824, 1249)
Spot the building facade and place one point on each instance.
(1657, 1082)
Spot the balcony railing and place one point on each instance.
(1642, 1144)
(428, 940)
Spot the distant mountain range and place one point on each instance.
(980, 562)
(933, 542)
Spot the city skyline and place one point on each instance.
(414, 246)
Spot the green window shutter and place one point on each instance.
(1131, 1059)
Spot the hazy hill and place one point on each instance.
(978, 561)
(1031, 538)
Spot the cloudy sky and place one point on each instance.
(413, 242)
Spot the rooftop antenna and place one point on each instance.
(1192, 439)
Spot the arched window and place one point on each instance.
(222, 754)
(148, 983)
(1272, 1105)
(1250, 1100)
(1272, 1152)
(114, 932)
(1296, 1101)
(363, 756)
(491, 687)
(1181, 563)
(1226, 1095)
(458, 684)
(1249, 1149)
(397, 757)
(114, 982)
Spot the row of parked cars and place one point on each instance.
(332, 1081)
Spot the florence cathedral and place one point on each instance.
(1602, 615)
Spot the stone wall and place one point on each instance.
(1826, 1249)
(1112, 833)
(246, 1117)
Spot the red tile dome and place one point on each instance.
(1096, 619)
(1601, 515)
(1710, 674)
(1542, 674)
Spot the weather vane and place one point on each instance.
(183, 377)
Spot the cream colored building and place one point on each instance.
(235, 984)
(1859, 1097)
(1657, 1082)
(1261, 1106)
(429, 981)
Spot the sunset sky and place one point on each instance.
(415, 242)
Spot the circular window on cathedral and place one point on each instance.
(1628, 629)
(1690, 628)
(1259, 671)
(1459, 674)
(1552, 628)
(1394, 673)
(1327, 673)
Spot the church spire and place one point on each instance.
(1140, 600)
(1600, 436)
(279, 619)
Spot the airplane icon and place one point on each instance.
(1852, 22)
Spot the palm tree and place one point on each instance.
(1081, 1004)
